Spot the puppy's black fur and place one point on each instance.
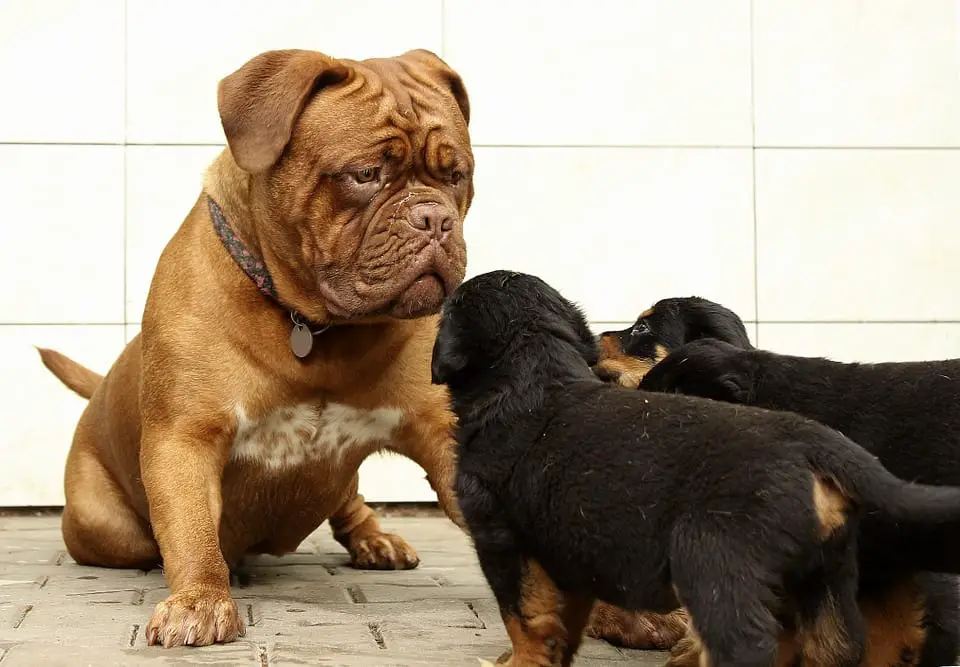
(907, 414)
(576, 490)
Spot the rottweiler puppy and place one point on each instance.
(627, 355)
(576, 490)
(907, 414)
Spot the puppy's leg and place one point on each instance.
(99, 526)
(831, 626)
(544, 625)
(635, 629)
(355, 526)
(181, 474)
(729, 623)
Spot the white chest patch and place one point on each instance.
(305, 433)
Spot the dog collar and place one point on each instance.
(301, 336)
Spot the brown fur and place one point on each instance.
(150, 474)
(637, 630)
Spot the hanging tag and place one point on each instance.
(301, 340)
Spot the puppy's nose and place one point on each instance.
(431, 218)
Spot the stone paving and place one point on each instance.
(308, 608)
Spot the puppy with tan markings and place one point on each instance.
(907, 414)
(576, 490)
(286, 337)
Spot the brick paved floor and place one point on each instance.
(308, 608)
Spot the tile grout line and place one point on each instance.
(126, 177)
(753, 182)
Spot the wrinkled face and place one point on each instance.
(370, 194)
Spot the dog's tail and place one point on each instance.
(77, 377)
(863, 479)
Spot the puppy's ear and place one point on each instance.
(260, 102)
(447, 360)
(447, 76)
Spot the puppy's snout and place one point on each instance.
(431, 218)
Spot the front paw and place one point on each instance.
(640, 630)
(195, 617)
(382, 551)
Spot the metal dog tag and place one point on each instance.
(301, 340)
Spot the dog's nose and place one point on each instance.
(431, 218)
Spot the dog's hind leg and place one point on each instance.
(99, 526)
(730, 622)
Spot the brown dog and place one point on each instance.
(341, 195)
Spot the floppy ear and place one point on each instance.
(447, 360)
(449, 78)
(260, 102)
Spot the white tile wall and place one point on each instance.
(856, 73)
(38, 413)
(646, 72)
(914, 341)
(858, 235)
(604, 224)
(61, 227)
(793, 159)
(61, 63)
(177, 50)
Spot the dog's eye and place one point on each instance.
(368, 175)
(456, 177)
(641, 328)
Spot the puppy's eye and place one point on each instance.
(641, 328)
(456, 177)
(368, 175)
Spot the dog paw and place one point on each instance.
(640, 630)
(685, 653)
(195, 617)
(382, 551)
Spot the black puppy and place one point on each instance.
(576, 490)
(907, 414)
(626, 355)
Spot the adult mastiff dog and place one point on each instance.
(285, 337)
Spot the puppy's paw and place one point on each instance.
(382, 551)
(639, 630)
(195, 617)
(685, 653)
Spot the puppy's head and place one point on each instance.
(494, 311)
(627, 355)
(357, 177)
(707, 367)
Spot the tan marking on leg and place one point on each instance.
(830, 504)
(787, 648)
(550, 626)
(895, 628)
(689, 651)
(825, 641)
